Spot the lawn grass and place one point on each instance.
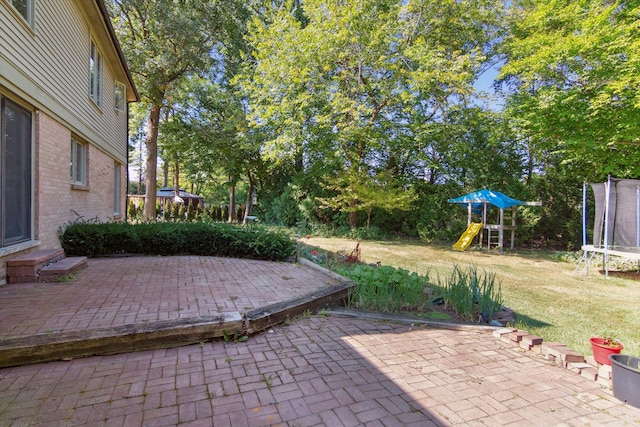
(550, 301)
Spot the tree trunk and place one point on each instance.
(299, 163)
(151, 142)
(353, 215)
(249, 204)
(530, 163)
(141, 172)
(232, 200)
(176, 179)
(165, 172)
(432, 176)
(369, 218)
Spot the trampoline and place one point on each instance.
(616, 228)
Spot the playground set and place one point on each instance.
(479, 203)
(616, 224)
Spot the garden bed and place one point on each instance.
(467, 295)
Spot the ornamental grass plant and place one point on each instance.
(474, 295)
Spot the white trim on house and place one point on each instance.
(96, 75)
(120, 97)
(79, 163)
(25, 9)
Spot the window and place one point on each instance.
(95, 75)
(116, 189)
(78, 162)
(24, 8)
(120, 97)
(15, 173)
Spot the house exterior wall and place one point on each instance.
(45, 68)
(48, 66)
(61, 203)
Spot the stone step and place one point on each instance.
(62, 269)
(25, 268)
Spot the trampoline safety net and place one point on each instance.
(620, 223)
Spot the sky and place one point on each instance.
(485, 82)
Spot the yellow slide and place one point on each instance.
(467, 237)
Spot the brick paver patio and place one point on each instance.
(318, 371)
(314, 371)
(129, 290)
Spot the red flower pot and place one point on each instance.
(602, 349)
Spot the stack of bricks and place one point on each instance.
(563, 356)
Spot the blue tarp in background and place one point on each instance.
(477, 198)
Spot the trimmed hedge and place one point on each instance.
(173, 238)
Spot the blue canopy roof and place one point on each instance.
(495, 198)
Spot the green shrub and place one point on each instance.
(344, 231)
(386, 288)
(172, 238)
(132, 210)
(472, 295)
(284, 209)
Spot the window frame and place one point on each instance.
(120, 97)
(78, 162)
(24, 164)
(117, 189)
(29, 9)
(96, 71)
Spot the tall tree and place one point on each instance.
(207, 134)
(574, 68)
(165, 41)
(353, 82)
(479, 149)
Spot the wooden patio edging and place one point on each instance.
(48, 347)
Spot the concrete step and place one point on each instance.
(61, 270)
(25, 268)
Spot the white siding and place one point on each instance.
(49, 67)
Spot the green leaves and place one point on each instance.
(172, 238)
(387, 289)
(354, 192)
(473, 295)
(577, 70)
(164, 40)
(353, 84)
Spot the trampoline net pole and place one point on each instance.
(607, 198)
(584, 213)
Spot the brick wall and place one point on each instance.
(60, 202)
(57, 202)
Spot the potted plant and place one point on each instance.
(625, 377)
(603, 347)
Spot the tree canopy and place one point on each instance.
(165, 42)
(573, 70)
(341, 113)
(356, 85)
